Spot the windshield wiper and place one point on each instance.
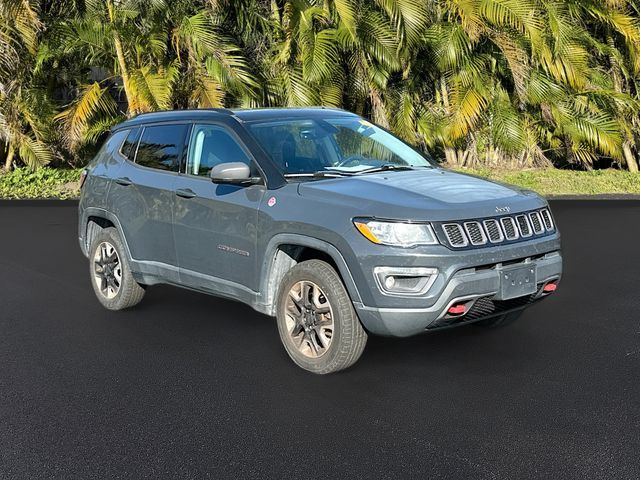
(318, 174)
(384, 168)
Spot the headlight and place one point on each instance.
(400, 234)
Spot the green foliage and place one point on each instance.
(553, 181)
(497, 83)
(63, 183)
(42, 183)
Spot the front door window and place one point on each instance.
(211, 145)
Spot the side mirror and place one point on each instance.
(234, 173)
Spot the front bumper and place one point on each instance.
(478, 286)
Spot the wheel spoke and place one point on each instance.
(117, 273)
(325, 339)
(306, 288)
(297, 329)
(294, 309)
(313, 342)
(302, 340)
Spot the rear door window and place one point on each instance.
(161, 146)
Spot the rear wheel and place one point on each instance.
(317, 323)
(111, 276)
(499, 321)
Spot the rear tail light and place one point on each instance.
(550, 287)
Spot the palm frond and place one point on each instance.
(92, 101)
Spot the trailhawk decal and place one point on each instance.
(227, 248)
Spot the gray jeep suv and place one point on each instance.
(315, 216)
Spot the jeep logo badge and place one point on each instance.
(503, 209)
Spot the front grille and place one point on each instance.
(536, 223)
(523, 226)
(455, 235)
(493, 231)
(475, 233)
(546, 218)
(510, 228)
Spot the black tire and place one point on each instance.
(347, 337)
(129, 292)
(499, 321)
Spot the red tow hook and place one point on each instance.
(458, 309)
(550, 287)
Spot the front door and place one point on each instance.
(215, 226)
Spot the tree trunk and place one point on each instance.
(8, 164)
(451, 156)
(632, 163)
(132, 105)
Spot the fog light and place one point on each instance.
(405, 281)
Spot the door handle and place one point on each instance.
(185, 193)
(124, 181)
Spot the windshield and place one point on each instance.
(344, 145)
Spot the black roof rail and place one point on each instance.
(185, 110)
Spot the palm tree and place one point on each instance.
(490, 82)
(161, 57)
(509, 81)
(615, 26)
(25, 111)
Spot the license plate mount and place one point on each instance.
(517, 281)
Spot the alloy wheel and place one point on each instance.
(107, 270)
(309, 319)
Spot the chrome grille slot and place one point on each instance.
(523, 225)
(536, 223)
(475, 233)
(510, 228)
(455, 235)
(493, 231)
(546, 218)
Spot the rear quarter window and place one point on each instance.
(128, 149)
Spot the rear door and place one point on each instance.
(215, 225)
(142, 196)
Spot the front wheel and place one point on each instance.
(317, 323)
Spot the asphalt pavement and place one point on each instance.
(191, 386)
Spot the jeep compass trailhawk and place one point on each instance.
(315, 216)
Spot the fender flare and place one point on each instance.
(102, 213)
(304, 241)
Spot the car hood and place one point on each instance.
(430, 194)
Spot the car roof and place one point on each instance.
(243, 115)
